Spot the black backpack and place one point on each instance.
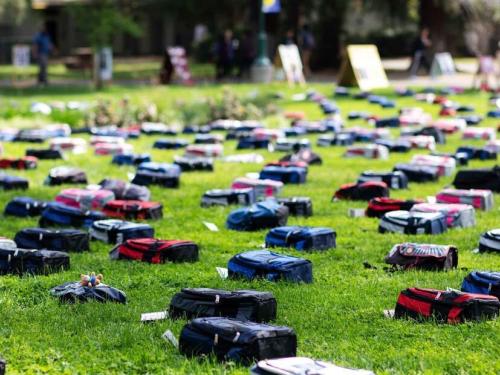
(363, 191)
(488, 179)
(24, 207)
(418, 173)
(393, 180)
(73, 291)
(298, 206)
(240, 304)
(13, 182)
(45, 154)
(413, 222)
(117, 231)
(194, 164)
(61, 240)
(66, 175)
(225, 197)
(34, 262)
(126, 191)
(490, 241)
(423, 256)
(234, 340)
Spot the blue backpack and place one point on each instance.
(61, 240)
(495, 113)
(270, 266)
(24, 207)
(162, 174)
(290, 175)
(252, 143)
(388, 122)
(170, 144)
(301, 238)
(482, 282)
(130, 159)
(8, 182)
(262, 215)
(58, 214)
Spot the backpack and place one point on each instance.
(262, 215)
(73, 292)
(133, 210)
(163, 174)
(418, 173)
(292, 175)
(457, 215)
(126, 191)
(170, 144)
(262, 188)
(437, 134)
(398, 145)
(66, 240)
(65, 175)
(288, 145)
(226, 197)
(253, 143)
(301, 238)
(24, 207)
(114, 231)
(371, 151)
(8, 182)
(393, 180)
(444, 164)
(478, 153)
(339, 139)
(298, 206)
(480, 199)
(85, 199)
(27, 162)
(423, 256)
(130, 159)
(488, 179)
(34, 262)
(301, 366)
(270, 266)
(211, 151)
(362, 191)
(305, 155)
(156, 251)
(207, 139)
(482, 282)
(445, 306)
(413, 222)
(58, 214)
(112, 148)
(388, 122)
(377, 207)
(194, 164)
(250, 305)
(44, 154)
(490, 241)
(235, 340)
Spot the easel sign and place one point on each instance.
(362, 67)
(179, 61)
(292, 64)
(21, 55)
(442, 64)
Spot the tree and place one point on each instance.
(101, 20)
(13, 11)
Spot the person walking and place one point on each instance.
(306, 45)
(420, 46)
(42, 47)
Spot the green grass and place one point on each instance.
(338, 317)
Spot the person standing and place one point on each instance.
(42, 47)
(420, 46)
(246, 54)
(224, 55)
(306, 45)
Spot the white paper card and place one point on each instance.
(356, 212)
(389, 314)
(211, 226)
(223, 272)
(151, 317)
(431, 199)
(253, 175)
(169, 336)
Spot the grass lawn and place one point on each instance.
(338, 317)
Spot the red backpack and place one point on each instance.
(26, 162)
(377, 207)
(133, 210)
(156, 251)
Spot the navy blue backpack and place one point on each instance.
(170, 144)
(287, 175)
(131, 159)
(163, 174)
(252, 143)
(301, 238)
(8, 182)
(61, 240)
(270, 266)
(58, 214)
(24, 207)
(262, 215)
(482, 282)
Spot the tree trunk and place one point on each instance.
(433, 15)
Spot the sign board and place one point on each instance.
(442, 64)
(104, 63)
(362, 67)
(486, 65)
(21, 55)
(289, 60)
(179, 61)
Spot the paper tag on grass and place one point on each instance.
(431, 199)
(253, 175)
(356, 212)
(389, 314)
(223, 272)
(130, 176)
(211, 226)
(151, 317)
(169, 337)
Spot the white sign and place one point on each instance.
(291, 63)
(442, 64)
(21, 55)
(105, 67)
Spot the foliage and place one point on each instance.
(13, 11)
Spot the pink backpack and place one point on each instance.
(457, 215)
(112, 148)
(262, 188)
(85, 199)
(480, 199)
